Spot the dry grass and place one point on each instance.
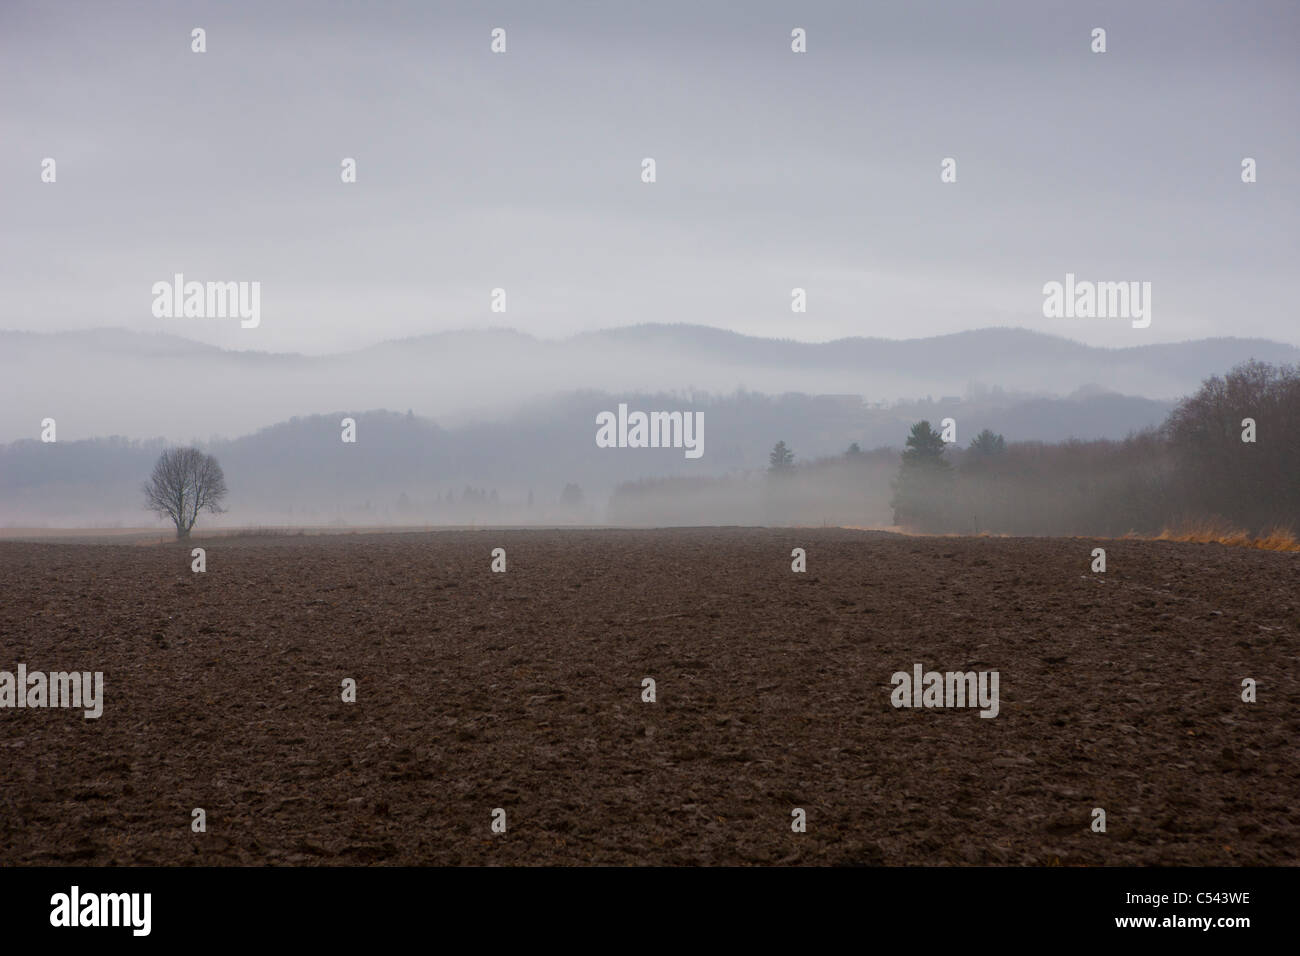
(1218, 531)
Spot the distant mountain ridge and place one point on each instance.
(141, 385)
(702, 339)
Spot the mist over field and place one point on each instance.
(504, 455)
(491, 427)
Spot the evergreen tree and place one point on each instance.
(922, 489)
(987, 445)
(781, 459)
(925, 448)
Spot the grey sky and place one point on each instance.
(775, 170)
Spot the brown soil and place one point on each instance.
(523, 691)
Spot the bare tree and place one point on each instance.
(185, 481)
(1251, 483)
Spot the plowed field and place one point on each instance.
(523, 691)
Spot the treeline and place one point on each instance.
(1227, 455)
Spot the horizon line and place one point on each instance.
(498, 329)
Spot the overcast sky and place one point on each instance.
(775, 169)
